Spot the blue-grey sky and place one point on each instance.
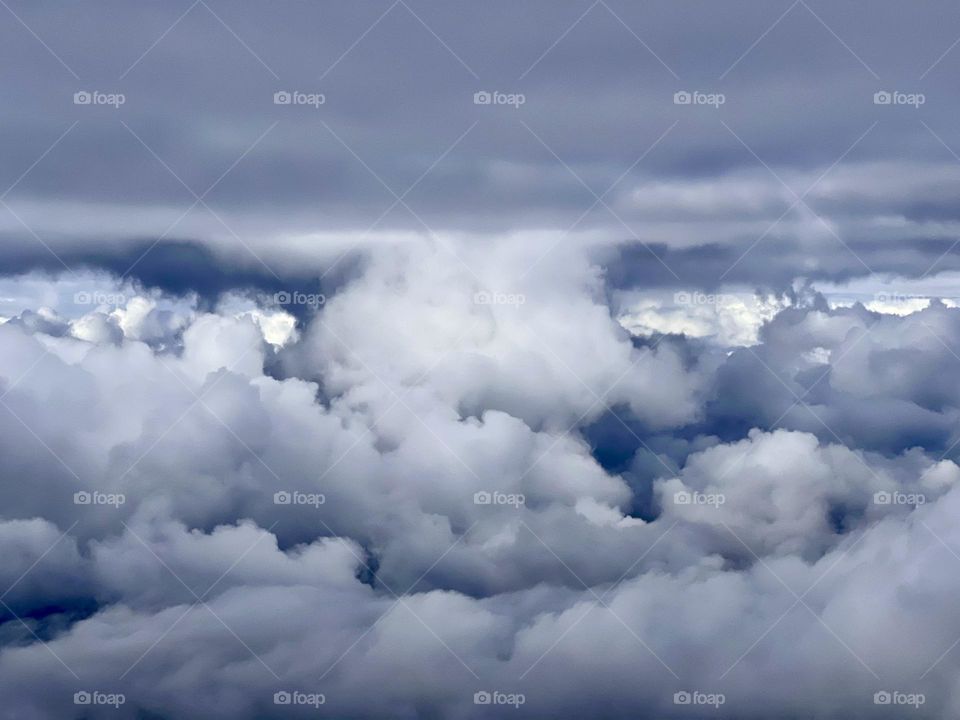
(856, 186)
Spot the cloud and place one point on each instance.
(407, 481)
(406, 404)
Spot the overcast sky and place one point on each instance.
(856, 186)
(459, 360)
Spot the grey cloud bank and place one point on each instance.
(200, 149)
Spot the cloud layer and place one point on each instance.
(409, 492)
(425, 360)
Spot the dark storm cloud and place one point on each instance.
(179, 267)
